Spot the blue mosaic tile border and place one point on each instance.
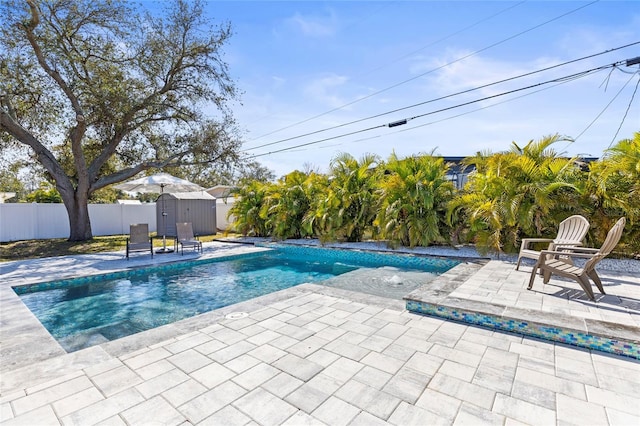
(367, 258)
(555, 334)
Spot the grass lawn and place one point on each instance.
(35, 249)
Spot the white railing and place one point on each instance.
(21, 221)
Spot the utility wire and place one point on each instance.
(482, 108)
(408, 129)
(556, 80)
(451, 117)
(603, 110)
(406, 55)
(430, 71)
(315, 142)
(446, 37)
(566, 78)
(626, 111)
(444, 97)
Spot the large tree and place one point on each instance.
(100, 91)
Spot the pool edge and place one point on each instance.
(435, 300)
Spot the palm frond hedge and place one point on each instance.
(523, 192)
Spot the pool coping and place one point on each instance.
(29, 287)
(436, 300)
(42, 355)
(64, 363)
(29, 342)
(26, 341)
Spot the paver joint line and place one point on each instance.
(314, 354)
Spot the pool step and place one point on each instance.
(435, 299)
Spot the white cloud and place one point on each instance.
(600, 37)
(278, 81)
(314, 26)
(325, 90)
(326, 69)
(475, 71)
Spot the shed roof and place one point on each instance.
(198, 195)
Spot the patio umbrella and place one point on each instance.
(160, 183)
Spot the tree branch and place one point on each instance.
(77, 132)
(29, 28)
(44, 156)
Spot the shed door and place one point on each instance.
(166, 203)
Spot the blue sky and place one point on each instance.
(325, 64)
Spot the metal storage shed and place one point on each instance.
(199, 208)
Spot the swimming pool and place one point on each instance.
(87, 311)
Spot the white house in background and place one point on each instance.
(4, 196)
(220, 191)
(224, 202)
(458, 172)
(128, 202)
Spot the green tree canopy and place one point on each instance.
(526, 191)
(287, 203)
(45, 194)
(613, 190)
(414, 194)
(100, 91)
(9, 182)
(247, 209)
(346, 209)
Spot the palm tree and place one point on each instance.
(347, 209)
(524, 192)
(315, 222)
(618, 176)
(287, 204)
(247, 209)
(547, 186)
(613, 190)
(414, 194)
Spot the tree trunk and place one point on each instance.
(79, 222)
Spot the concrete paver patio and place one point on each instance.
(315, 355)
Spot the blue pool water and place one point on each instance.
(85, 312)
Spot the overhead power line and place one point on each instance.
(430, 71)
(555, 80)
(624, 117)
(605, 108)
(444, 97)
(406, 55)
(481, 108)
(451, 117)
(420, 49)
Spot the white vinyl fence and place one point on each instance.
(21, 221)
(223, 205)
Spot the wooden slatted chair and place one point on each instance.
(186, 237)
(139, 239)
(555, 261)
(571, 232)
